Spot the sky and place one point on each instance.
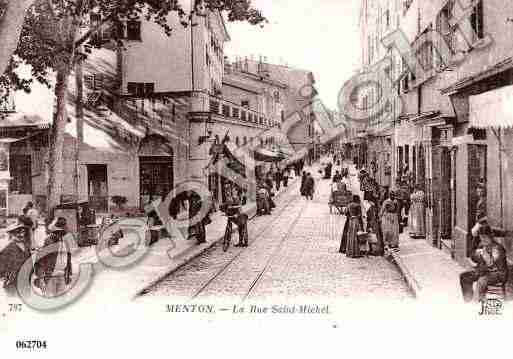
(317, 35)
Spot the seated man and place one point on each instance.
(492, 267)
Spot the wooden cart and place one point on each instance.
(340, 200)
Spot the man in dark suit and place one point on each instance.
(13, 256)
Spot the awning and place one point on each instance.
(12, 140)
(264, 155)
(487, 73)
(492, 109)
(24, 120)
(228, 152)
(298, 156)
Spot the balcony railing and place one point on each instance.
(236, 112)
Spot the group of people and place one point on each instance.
(373, 225)
(52, 271)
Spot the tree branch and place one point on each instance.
(88, 34)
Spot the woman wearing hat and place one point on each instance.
(13, 256)
(54, 269)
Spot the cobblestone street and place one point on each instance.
(292, 254)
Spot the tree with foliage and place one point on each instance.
(53, 32)
(12, 16)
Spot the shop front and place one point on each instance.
(481, 155)
(492, 163)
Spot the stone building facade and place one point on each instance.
(453, 132)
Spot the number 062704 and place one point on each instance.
(31, 344)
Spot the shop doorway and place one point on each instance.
(97, 187)
(477, 167)
(445, 194)
(156, 178)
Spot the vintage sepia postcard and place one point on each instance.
(184, 170)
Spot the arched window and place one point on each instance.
(217, 139)
(245, 140)
(277, 96)
(237, 140)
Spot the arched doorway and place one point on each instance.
(156, 169)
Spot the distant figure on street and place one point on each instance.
(417, 213)
(309, 186)
(492, 267)
(269, 182)
(278, 177)
(327, 171)
(302, 189)
(337, 177)
(286, 175)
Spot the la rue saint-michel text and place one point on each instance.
(249, 309)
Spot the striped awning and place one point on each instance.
(492, 109)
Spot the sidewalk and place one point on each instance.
(431, 273)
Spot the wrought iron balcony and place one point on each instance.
(235, 112)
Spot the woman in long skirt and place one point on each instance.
(390, 222)
(374, 226)
(354, 224)
(417, 213)
(302, 189)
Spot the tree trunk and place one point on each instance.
(79, 108)
(10, 29)
(56, 141)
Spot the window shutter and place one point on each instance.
(98, 82)
(89, 82)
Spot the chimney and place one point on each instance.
(263, 67)
(227, 65)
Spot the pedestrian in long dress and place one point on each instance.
(390, 222)
(309, 186)
(417, 213)
(374, 226)
(278, 178)
(286, 175)
(302, 189)
(354, 224)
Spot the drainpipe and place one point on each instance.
(499, 139)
